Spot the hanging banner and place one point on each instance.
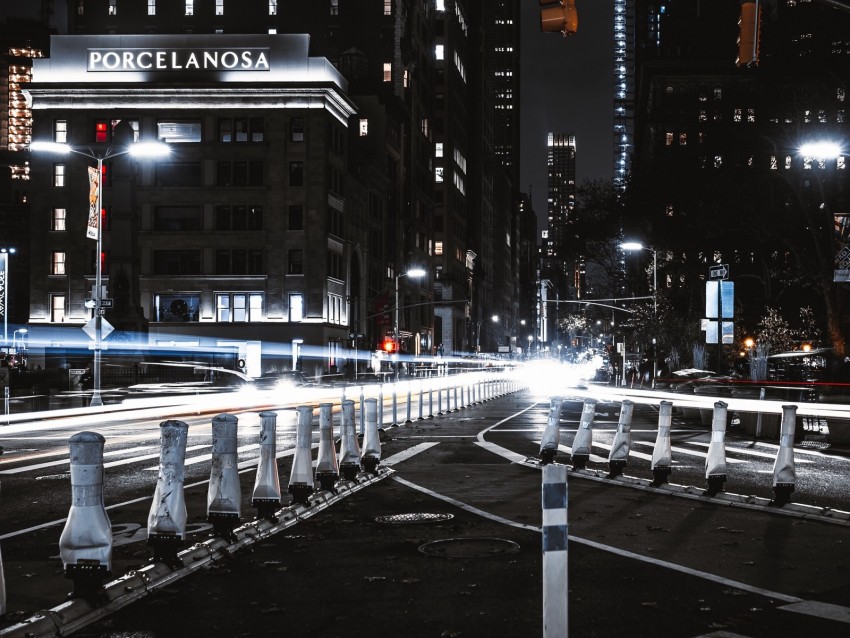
(4, 268)
(94, 213)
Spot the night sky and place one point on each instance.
(567, 87)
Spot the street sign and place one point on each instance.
(720, 271)
(355, 335)
(104, 303)
(91, 328)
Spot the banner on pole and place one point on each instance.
(94, 213)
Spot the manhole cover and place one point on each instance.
(469, 547)
(417, 517)
(818, 445)
(54, 477)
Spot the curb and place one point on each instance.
(77, 613)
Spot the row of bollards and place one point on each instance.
(784, 475)
(85, 545)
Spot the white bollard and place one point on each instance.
(2, 589)
(421, 407)
(266, 495)
(394, 423)
(662, 452)
(715, 460)
(85, 545)
(555, 551)
(371, 454)
(380, 413)
(349, 448)
(408, 420)
(618, 455)
(301, 477)
(167, 516)
(784, 473)
(552, 433)
(439, 400)
(583, 440)
(327, 465)
(430, 402)
(224, 495)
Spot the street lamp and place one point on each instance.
(413, 273)
(635, 245)
(4, 258)
(140, 149)
(22, 331)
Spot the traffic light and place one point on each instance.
(749, 33)
(389, 345)
(558, 17)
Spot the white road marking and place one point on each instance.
(408, 453)
(821, 610)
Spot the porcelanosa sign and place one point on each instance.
(179, 59)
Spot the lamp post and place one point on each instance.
(141, 149)
(634, 245)
(414, 273)
(4, 257)
(22, 332)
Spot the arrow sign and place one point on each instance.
(721, 271)
(90, 328)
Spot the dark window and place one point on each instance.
(238, 218)
(240, 129)
(297, 129)
(225, 129)
(223, 174)
(177, 218)
(177, 262)
(296, 262)
(240, 173)
(179, 174)
(296, 217)
(257, 129)
(296, 173)
(255, 173)
(222, 218)
(239, 262)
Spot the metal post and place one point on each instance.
(98, 282)
(395, 328)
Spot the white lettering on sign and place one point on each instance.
(247, 59)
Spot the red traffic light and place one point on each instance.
(388, 345)
(558, 17)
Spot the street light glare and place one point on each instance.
(821, 150)
(415, 273)
(631, 245)
(149, 149)
(51, 147)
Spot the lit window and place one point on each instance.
(438, 149)
(57, 308)
(101, 131)
(296, 307)
(440, 52)
(388, 7)
(219, 7)
(683, 139)
(388, 72)
(438, 174)
(364, 127)
(239, 307)
(151, 7)
(272, 7)
(179, 131)
(668, 139)
(59, 175)
(58, 220)
(272, 31)
(60, 131)
(736, 115)
(441, 5)
(718, 161)
(438, 248)
(334, 7)
(190, 7)
(57, 263)
(839, 163)
(113, 7)
(81, 7)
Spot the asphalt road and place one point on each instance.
(641, 561)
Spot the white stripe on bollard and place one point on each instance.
(85, 545)
(583, 440)
(555, 551)
(266, 495)
(552, 433)
(784, 473)
(715, 460)
(224, 496)
(371, 440)
(301, 476)
(327, 465)
(662, 452)
(618, 455)
(349, 448)
(167, 516)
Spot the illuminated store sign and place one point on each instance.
(178, 59)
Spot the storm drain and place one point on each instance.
(54, 477)
(469, 547)
(416, 517)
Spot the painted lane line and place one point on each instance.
(64, 452)
(513, 457)
(408, 453)
(821, 610)
(67, 460)
(464, 506)
(505, 420)
(737, 450)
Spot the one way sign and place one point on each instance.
(720, 271)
